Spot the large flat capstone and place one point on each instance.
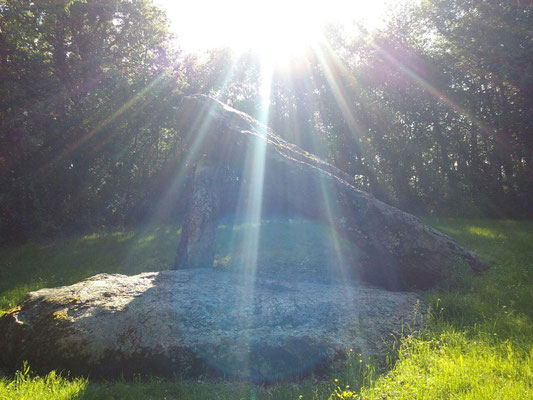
(200, 322)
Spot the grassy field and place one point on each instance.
(479, 344)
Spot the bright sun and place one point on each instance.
(275, 29)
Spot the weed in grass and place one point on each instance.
(52, 386)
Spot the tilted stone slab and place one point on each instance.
(234, 160)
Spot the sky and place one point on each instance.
(278, 28)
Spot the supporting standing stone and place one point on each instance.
(197, 248)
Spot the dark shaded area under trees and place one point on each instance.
(433, 114)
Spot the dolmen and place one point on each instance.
(201, 320)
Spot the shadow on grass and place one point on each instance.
(284, 244)
(499, 300)
(67, 261)
(55, 386)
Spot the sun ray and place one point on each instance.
(198, 128)
(255, 163)
(151, 87)
(336, 86)
(430, 88)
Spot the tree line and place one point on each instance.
(433, 113)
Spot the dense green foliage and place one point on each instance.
(432, 113)
(87, 95)
(478, 344)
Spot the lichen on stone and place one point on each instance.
(60, 314)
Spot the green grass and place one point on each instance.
(53, 386)
(478, 345)
(67, 261)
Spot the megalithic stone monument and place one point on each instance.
(225, 145)
(212, 321)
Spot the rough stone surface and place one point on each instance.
(200, 322)
(231, 155)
